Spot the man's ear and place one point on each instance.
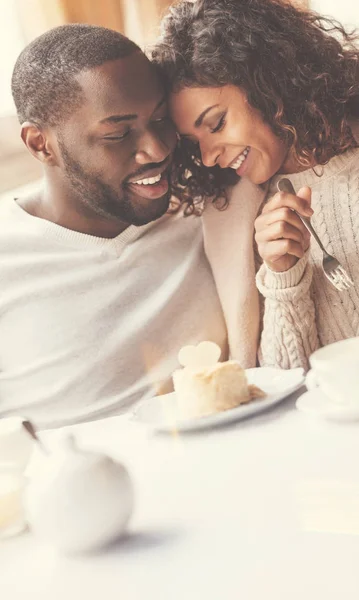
(37, 140)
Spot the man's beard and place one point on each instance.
(104, 201)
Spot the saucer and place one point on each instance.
(316, 404)
(160, 412)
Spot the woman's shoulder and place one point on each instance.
(244, 201)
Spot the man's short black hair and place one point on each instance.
(44, 85)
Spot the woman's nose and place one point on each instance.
(209, 155)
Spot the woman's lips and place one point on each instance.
(236, 163)
(243, 168)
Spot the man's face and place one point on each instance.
(117, 148)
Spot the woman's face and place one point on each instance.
(229, 131)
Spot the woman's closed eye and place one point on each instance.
(220, 124)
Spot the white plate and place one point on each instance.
(160, 412)
(316, 404)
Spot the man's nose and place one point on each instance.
(152, 149)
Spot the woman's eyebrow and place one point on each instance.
(198, 122)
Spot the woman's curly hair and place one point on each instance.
(300, 70)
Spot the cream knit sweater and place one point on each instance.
(89, 326)
(302, 310)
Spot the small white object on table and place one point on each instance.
(265, 508)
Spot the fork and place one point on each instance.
(333, 270)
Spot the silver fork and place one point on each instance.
(333, 270)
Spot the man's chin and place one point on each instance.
(153, 211)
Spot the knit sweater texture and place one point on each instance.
(302, 309)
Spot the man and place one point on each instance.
(100, 285)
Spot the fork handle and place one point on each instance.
(306, 222)
(285, 185)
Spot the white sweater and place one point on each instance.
(302, 309)
(90, 325)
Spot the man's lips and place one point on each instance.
(152, 191)
(160, 170)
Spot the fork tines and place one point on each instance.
(340, 279)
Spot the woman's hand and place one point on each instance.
(280, 234)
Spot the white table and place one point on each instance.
(265, 509)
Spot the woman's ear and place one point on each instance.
(37, 140)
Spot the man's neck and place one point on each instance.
(51, 204)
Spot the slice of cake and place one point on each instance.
(205, 386)
(206, 390)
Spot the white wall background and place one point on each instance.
(12, 39)
(345, 11)
(11, 44)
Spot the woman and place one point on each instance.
(264, 90)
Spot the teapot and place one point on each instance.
(79, 501)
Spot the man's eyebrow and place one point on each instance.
(119, 118)
(198, 122)
(131, 117)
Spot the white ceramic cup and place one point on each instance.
(335, 371)
(12, 515)
(16, 445)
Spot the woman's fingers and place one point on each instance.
(282, 199)
(276, 250)
(280, 215)
(282, 230)
(281, 236)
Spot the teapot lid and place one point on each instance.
(68, 450)
(66, 458)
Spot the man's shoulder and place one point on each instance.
(6, 205)
(175, 223)
(9, 216)
(14, 226)
(182, 223)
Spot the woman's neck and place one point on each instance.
(292, 165)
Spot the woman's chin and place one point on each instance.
(257, 178)
(260, 176)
